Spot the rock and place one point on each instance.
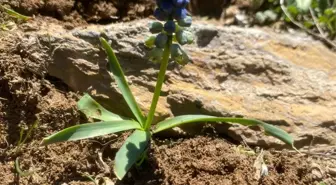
(332, 171)
(242, 19)
(283, 79)
(317, 172)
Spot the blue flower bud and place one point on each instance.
(184, 37)
(161, 40)
(180, 13)
(155, 27)
(178, 55)
(150, 41)
(181, 3)
(186, 22)
(167, 7)
(170, 27)
(160, 15)
(155, 55)
(175, 51)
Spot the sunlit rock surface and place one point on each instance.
(288, 80)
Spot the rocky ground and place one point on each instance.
(47, 64)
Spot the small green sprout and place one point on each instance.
(14, 14)
(22, 138)
(90, 178)
(134, 150)
(19, 171)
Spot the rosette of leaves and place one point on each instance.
(134, 149)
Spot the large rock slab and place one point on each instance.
(288, 80)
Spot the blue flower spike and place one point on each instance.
(184, 37)
(176, 19)
(150, 41)
(155, 27)
(181, 3)
(170, 27)
(155, 55)
(161, 40)
(186, 22)
(178, 55)
(160, 15)
(167, 7)
(180, 13)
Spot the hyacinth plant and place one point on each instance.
(170, 30)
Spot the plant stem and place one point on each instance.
(161, 77)
(312, 13)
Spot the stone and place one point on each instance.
(332, 171)
(283, 79)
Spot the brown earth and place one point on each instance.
(104, 11)
(206, 159)
(81, 11)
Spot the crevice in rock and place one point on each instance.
(58, 83)
(329, 124)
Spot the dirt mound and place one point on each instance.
(207, 160)
(104, 11)
(100, 11)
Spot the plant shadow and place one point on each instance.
(144, 173)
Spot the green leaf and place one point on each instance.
(93, 109)
(287, 19)
(329, 12)
(323, 19)
(293, 10)
(308, 24)
(90, 130)
(119, 76)
(269, 129)
(130, 152)
(303, 5)
(332, 27)
(15, 14)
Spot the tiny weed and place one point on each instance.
(14, 14)
(19, 171)
(23, 139)
(90, 178)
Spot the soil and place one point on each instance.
(81, 11)
(107, 11)
(27, 97)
